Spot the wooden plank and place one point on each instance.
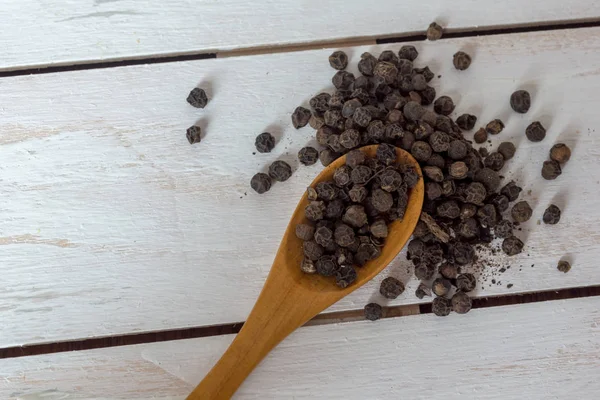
(112, 223)
(72, 32)
(536, 351)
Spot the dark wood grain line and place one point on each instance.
(337, 317)
(321, 44)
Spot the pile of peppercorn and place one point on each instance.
(465, 203)
(348, 217)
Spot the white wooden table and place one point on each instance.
(112, 225)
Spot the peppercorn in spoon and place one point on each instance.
(290, 297)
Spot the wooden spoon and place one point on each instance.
(290, 298)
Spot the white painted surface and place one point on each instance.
(112, 223)
(37, 33)
(535, 351)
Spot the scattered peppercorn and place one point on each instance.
(461, 60)
(480, 136)
(551, 170)
(494, 127)
(338, 60)
(197, 98)
(280, 171)
(563, 266)
(264, 142)
(535, 132)
(373, 311)
(434, 32)
(512, 245)
(560, 153)
(520, 101)
(391, 288)
(261, 183)
(194, 134)
(551, 215)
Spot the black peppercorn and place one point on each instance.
(391, 288)
(480, 136)
(338, 60)
(355, 158)
(308, 266)
(512, 245)
(466, 121)
(521, 212)
(487, 216)
(194, 134)
(461, 303)
(551, 170)
(441, 306)
(511, 191)
(457, 150)
(560, 153)
(461, 60)
(320, 103)
(326, 265)
(441, 286)
(507, 149)
(466, 282)
(308, 155)
(520, 101)
(504, 229)
(312, 250)
(439, 141)
(305, 231)
(315, 210)
(535, 132)
(443, 105)
(434, 32)
(342, 79)
(327, 156)
(345, 276)
(355, 216)
(449, 271)
(489, 178)
(563, 266)
(494, 161)
(300, 117)
(408, 52)
(373, 311)
(197, 98)
(367, 63)
(261, 183)
(494, 127)
(280, 171)
(551, 215)
(264, 142)
(421, 151)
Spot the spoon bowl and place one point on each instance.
(290, 297)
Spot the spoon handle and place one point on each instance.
(279, 310)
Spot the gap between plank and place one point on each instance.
(317, 45)
(321, 319)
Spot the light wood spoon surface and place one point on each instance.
(290, 298)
